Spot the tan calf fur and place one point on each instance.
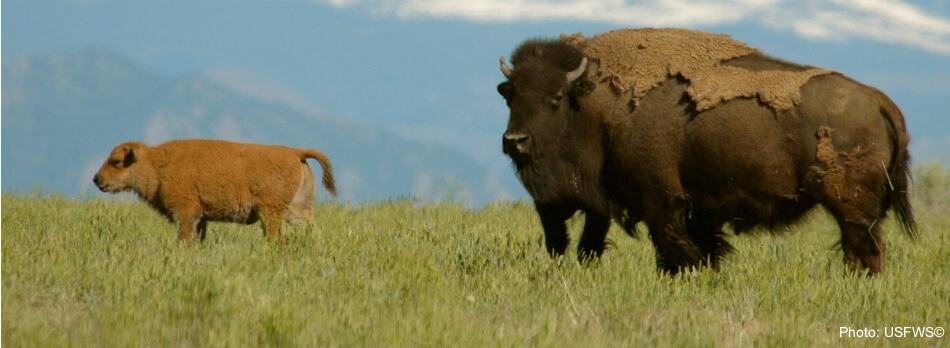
(192, 182)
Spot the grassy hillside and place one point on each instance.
(93, 272)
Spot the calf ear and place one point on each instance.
(129, 158)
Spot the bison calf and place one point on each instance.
(192, 182)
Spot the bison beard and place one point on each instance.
(687, 171)
(559, 190)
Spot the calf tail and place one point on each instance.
(328, 180)
(899, 172)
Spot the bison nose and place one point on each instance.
(515, 143)
(98, 181)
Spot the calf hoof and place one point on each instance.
(278, 239)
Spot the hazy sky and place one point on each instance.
(428, 68)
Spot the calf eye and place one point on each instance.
(115, 162)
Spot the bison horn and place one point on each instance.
(504, 67)
(573, 75)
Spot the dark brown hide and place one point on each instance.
(687, 173)
(557, 154)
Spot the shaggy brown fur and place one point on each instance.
(686, 171)
(641, 59)
(192, 182)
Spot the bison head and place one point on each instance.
(119, 171)
(541, 95)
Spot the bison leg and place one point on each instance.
(187, 224)
(675, 250)
(708, 236)
(202, 229)
(851, 184)
(272, 220)
(553, 217)
(859, 214)
(591, 245)
(863, 247)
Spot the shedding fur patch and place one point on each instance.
(830, 175)
(637, 60)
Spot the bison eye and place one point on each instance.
(115, 162)
(555, 100)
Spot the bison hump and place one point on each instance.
(637, 60)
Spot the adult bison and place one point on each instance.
(687, 131)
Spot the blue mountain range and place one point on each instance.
(63, 112)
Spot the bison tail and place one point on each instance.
(328, 180)
(899, 172)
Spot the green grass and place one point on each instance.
(94, 272)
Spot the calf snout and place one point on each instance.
(516, 143)
(97, 180)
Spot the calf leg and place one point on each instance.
(187, 224)
(300, 209)
(187, 214)
(202, 229)
(553, 217)
(272, 220)
(591, 245)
